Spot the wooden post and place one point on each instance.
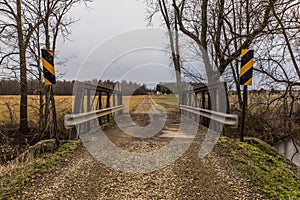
(246, 79)
(114, 103)
(54, 113)
(244, 112)
(209, 101)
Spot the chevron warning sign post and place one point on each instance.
(246, 67)
(49, 80)
(48, 67)
(246, 79)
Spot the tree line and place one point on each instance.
(11, 87)
(64, 87)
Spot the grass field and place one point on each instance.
(131, 102)
(10, 107)
(169, 102)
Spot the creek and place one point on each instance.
(288, 148)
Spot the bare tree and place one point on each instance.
(56, 22)
(16, 23)
(278, 62)
(20, 21)
(224, 28)
(171, 24)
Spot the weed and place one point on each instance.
(14, 176)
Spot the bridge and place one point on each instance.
(103, 104)
(196, 115)
(157, 154)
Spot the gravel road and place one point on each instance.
(80, 176)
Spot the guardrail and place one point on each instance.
(204, 101)
(93, 101)
(227, 119)
(71, 120)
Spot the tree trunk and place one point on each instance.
(23, 105)
(174, 44)
(204, 24)
(23, 71)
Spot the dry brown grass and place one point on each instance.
(15, 175)
(268, 116)
(131, 102)
(169, 102)
(10, 108)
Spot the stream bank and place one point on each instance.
(289, 148)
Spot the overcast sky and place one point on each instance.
(112, 41)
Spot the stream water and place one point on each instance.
(287, 148)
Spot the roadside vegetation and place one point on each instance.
(270, 116)
(13, 144)
(15, 175)
(263, 166)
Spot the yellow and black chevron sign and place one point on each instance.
(246, 67)
(48, 67)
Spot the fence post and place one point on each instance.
(114, 102)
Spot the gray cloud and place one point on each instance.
(105, 20)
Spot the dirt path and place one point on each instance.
(81, 177)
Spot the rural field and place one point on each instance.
(258, 105)
(131, 102)
(10, 106)
(10, 114)
(169, 102)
